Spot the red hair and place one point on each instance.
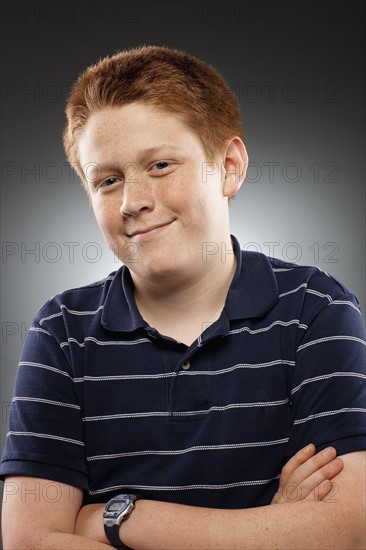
(168, 79)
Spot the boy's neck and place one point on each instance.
(184, 311)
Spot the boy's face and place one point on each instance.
(155, 198)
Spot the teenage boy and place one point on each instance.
(176, 389)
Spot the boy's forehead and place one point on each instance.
(133, 115)
(137, 125)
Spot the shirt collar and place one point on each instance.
(252, 293)
(120, 312)
(253, 290)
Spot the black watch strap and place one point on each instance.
(112, 531)
(113, 536)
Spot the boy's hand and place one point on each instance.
(307, 476)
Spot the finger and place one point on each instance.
(321, 491)
(324, 490)
(297, 460)
(311, 466)
(309, 488)
(318, 485)
(278, 497)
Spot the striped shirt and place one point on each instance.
(105, 402)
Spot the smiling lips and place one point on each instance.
(144, 233)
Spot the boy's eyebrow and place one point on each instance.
(157, 148)
(98, 167)
(143, 153)
(115, 166)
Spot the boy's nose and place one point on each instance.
(137, 195)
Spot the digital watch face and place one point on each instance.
(116, 506)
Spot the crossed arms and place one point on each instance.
(306, 512)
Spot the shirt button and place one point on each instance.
(186, 365)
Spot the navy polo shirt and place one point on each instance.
(105, 402)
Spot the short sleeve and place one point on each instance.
(45, 437)
(328, 392)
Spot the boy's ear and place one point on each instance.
(235, 166)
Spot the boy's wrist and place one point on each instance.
(116, 512)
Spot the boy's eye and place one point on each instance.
(109, 181)
(161, 164)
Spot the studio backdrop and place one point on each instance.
(297, 69)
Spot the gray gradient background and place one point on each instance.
(312, 115)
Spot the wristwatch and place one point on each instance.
(116, 510)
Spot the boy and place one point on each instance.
(186, 380)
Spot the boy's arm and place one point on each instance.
(336, 522)
(37, 516)
(41, 514)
